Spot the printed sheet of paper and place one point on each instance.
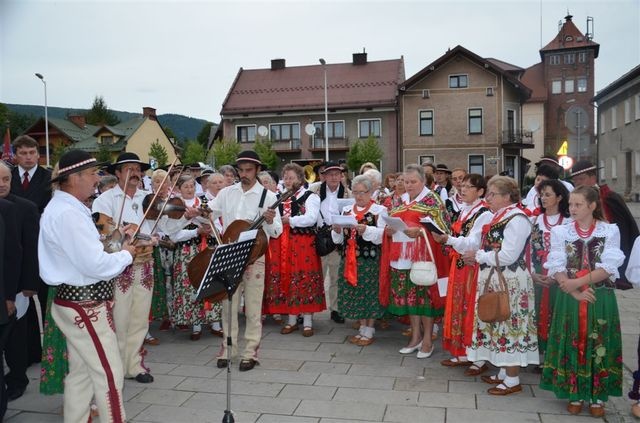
(344, 221)
(399, 226)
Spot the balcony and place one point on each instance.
(517, 139)
(286, 146)
(335, 144)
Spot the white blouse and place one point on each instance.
(372, 234)
(472, 241)
(516, 234)
(633, 268)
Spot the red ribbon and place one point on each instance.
(582, 321)
(350, 260)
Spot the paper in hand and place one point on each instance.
(345, 221)
(432, 226)
(399, 226)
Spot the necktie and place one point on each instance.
(25, 181)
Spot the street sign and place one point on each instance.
(565, 161)
(564, 149)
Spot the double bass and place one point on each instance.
(197, 267)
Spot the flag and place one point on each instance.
(7, 151)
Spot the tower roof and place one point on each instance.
(570, 37)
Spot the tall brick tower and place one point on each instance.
(568, 69)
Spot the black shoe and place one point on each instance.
(14, 393)
(144, 378)
(222, 363)
(336, 317)
(246, 365)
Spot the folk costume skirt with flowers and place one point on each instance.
(598, 374)
(298, 272)
(159, 298)
(186, 311)
(513, 342)
(408, 298)
(274, 300)
(459, 308)
(55, 361)
(360, 301)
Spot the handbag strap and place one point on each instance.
(426, 240)
(501, 279)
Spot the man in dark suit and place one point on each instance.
(33, 182)
(27, 226)
(8, 284)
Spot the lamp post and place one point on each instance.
(46, 118)
(326, 112)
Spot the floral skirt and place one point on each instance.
(274, 300)
(459, 309)
(360, 301)
(513, 342)
(159, 299)
(55, 362)
(598, 374)
(408, 298)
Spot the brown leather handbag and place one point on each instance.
(494, 306)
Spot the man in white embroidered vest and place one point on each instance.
(73, 259)
(246, 200)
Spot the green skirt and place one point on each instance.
(360, 301)
(55, 363)
(600, 375)
(159, 309)
(406, 298)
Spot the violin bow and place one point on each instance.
(164, 205)
(216, 234)
(124, 199)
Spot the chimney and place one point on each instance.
(277, 64)
(360, 58)
(78, 120)
(149, 112)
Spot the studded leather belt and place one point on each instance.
(99, 291)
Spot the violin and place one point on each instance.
(155, 206)
(112, 238)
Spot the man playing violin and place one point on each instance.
(247, 200)
(73, 259)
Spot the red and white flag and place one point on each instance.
(7, 150)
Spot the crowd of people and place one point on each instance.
(114, 252)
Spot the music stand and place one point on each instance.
(225, 270)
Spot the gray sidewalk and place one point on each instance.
(326, 379)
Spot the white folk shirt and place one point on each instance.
(310, 216)
(328, 206)
(232, 203)
(69, 247)
(110, 204)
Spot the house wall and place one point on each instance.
(141, 140)
(533, 120)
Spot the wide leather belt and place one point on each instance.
(99, 291)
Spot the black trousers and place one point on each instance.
(16, 355)
(5, 330)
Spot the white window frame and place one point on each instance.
(457, 77)
(554, 59)
(627, 111)
(248, 139)
(469, 121)
(291, 138)
(569, 85)
(321, 122)
(582, 88)
(427, 158)
(433, 123)
(569, 58)
(370, 120)
(636, 162)
(582, 57)
(614, 118)
(556, 87)
(638, 107)
(469, 156)
(602, 123)
(614, 168)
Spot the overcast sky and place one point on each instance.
(181, 57)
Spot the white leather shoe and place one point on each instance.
(409, 350)
(425, 354)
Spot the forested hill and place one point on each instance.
(184, 127)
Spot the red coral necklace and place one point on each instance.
(585, 233)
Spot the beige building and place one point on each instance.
(465, 111)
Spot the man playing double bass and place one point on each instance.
(246, 200)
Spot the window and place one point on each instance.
(582, 85)
(475, 121)
(285, 131)
(614, 168)
(458, 81)
(107, 139)
(638, 107)
(627, 111)
(554, 59)
(246, 133)
(476, 164)
(426, 122)
(602, 120)
(636, 160)
(569, 58)
(582, 57)
(614, 118)
(511, 124)
(603, 175)
(426, 159)
(336, 129)
(556, 87)
(369, 127)
(568, 86)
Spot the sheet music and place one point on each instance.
(345, 221)
(345, 202)
(247, 235)
(399, 226)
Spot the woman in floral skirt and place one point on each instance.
(584, 353)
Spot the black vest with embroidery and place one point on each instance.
(298, 208)
(495, 237)
(466, 230)
(364, 249)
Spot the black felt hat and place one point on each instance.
(583, 166)
(74, 161)
(443, 168)
(206, 172)
(331, 166)
(250, 156)
(125, 158)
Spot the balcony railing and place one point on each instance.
(285, 145)
(340, 143)
(517, 139)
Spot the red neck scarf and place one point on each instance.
(350, 260)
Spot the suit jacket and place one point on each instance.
(28, 228)
(39, 190)
(10, 253)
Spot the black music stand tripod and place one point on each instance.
(223, 274)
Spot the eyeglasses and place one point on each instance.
(457, 178)
(468, 186)
(491, 194)
(359, 192)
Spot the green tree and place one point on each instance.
(57, 151)
(103, 154)
(225, 151)
(363, 151)
(264, 149)
(158, 152)
(193, 152)
(99, 114)
(170, 134)
(18, 123)
(203, 135)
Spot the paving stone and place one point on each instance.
(370, 359)
(349, 381)
(163, 397)
(245, 403)
(319, 367)
(335, 348)
(132, 409)
(166, 414)
(376, 396)
(420, 384)
(346, 421)
(29, 417)
(219, 385)
(483, 416)
(446, 399)
(195, 371)
(160, 368)
(279, 344)
(273, 418)
(391, 371)
(523, 404)
(159, 382)
(340, 410)
(34, 401)
(296, 355)
(558, 418)
(479, 388)
(277, 364)
(415, 414)
(277, 376)
(308, 392)
(130, 391)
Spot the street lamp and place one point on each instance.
(326, 112)
(46, 117)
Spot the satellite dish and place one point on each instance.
(534, 125)
(576, 119)
(310, 129)
(263, 131)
